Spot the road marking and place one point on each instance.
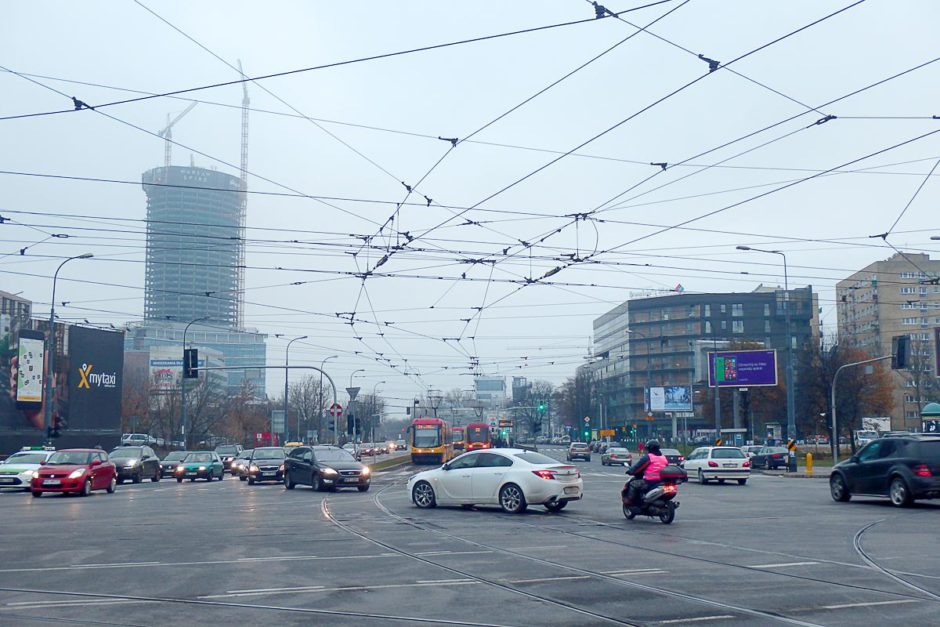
(869, 604)
(52, 604)
(268, 559)
(639, 571)
(206, 563)
(546, 579)
(698, 619)
(540, 548)
(260, 590)
(245, 593)
(783, 565)
(433, 553)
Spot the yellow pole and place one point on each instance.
(809, 463)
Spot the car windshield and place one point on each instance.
(25, 458)
(226, 450)
(535, 458)
(775, 449)
(618, 451)
(579, 445)
(126, 453)
(268, 453)
(175, 456)
(68, 458)
(727, 453)
(670, 451)
(333, 455)
(198, 457)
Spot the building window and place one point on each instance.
(708, 311)
(737, 326)
(766, 326)
(909, 320)
(723, 308)
(766, 309)
(737, 310)
(708, 326)
(724, 324)
(908, 398)
(908, 290)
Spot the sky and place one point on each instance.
(550, 209)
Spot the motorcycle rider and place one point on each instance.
(646, 472)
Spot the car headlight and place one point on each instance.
(179, 469)
(35, 474)
(131, 463)
(365, 471)
(329, 471)
(77, 473)
(202, 468)
(253, 468)
(281, 467)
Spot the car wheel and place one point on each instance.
(721, 482)
(193, 480)
(179, 480)
(86, 487)
(288, 484)
(251, 481)
(363, 488)
(742, 481)
(701, 477)
(111, 486)
(838, 489)
(668, 514)
(36, 493)
(156, 476)
(588, 458)
(900, 495)
(556, 506)
(768, 465)
(422, 495)
(511, 499)
(222, 476)
(120, 481)
(240, 478)
(318, 484)
(138, 478)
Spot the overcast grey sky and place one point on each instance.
(375, 128)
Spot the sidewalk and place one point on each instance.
(819, 472)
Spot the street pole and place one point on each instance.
(375, 406)
(183, 385)
(50, 349)
(832, 400)
(714, 369)
(351, 429)
(791, 402)
(287, 363)
(320, 400)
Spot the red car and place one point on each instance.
(77, 470)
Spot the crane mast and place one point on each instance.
(167, 134)
(243, 212)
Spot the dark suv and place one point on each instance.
(228, 453)
(325, 468)
(266, 464)
(902, 468)
(136, 463)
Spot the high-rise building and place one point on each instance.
(897, 296)
(663, 341)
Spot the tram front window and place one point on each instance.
(427, 438)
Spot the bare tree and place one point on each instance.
(307, 402)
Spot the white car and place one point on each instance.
(509, 477)
(752, 449)
(17, 470)
(718, 462)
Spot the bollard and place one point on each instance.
(809, 463)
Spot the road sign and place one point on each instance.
(607, 433)
(352, 391)
(587, 420)
(336, 409)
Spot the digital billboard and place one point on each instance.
(96, 370)
(671, 398)
(29, 366)
(750, 368)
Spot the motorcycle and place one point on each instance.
(657, 502)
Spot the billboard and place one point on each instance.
(672, 398)
(96, 362)
(749, 368)
(29, 367)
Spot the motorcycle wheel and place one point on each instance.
(668, 514)
(628, 512)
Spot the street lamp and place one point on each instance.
(183, 383)
(320, 389)
(351, 428)
(791, 416)
(50, 349)
(287, 363)
(376, 406)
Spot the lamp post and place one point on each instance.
(320, 397)
(351, 428)
(287, 363)
(376, 406)
(183, 383)
(791, 416)
(50, 349)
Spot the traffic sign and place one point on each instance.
(336, 410)
(587, 420)
(605, 433)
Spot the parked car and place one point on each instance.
(510, 478)
(718, 463)
(752, 449)
(240, 465)
(266, 464)
(579, 450)
(200, 465)
(673, 455)
(902, 468)
(228, 453)
(170, 462)
(770, 457)
(616, 455)
(16, 471)
(79, 471)
(136, 463)
(325, 468)
(137, 439)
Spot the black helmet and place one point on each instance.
(653, 446)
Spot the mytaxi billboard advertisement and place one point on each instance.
(96, 367)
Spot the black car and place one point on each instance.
(325, 468)
(673, 455)
(170, 462)
(266, 464)
(228, 453)
(902, 468)
(770, 457)
(136, 463)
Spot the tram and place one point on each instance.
(457, 437)
(478, 436)
(430, 441)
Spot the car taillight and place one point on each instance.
(544, 474)
(747, 463)
(681, 458)
(712, 464)
(922, 470)
(777, 455)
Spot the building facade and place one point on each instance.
(896, 296)
(663, 341)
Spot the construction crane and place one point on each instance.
(167, 133)
(243, 213)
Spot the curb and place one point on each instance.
(797, 475)
(385, 464)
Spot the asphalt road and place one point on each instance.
(777, 550)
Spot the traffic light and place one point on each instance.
(900, 352)
(350, 421)
(332, 424)
(358, 426)
(190, 363)
(541, 407)
(54, 430)
(587, 435)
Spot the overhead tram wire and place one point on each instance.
(324, 66)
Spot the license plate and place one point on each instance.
(571, 490)
(6, 480)
(52, 482)
(191, 474)
(267, 474)
(351, 480)
(731, 465)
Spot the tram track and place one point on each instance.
(857, 543)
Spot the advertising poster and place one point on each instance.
(751, 368)
(96, 360)
(28, 366)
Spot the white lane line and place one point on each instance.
(539, 548)
(547, 579)
(783, 565)
(116, 564)
(261, 590)
(245, 593)
(869, 604)
(638, 571)
(432, 553)
(268, 559)
(698, 619)
(206, 563)
(52, 604)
